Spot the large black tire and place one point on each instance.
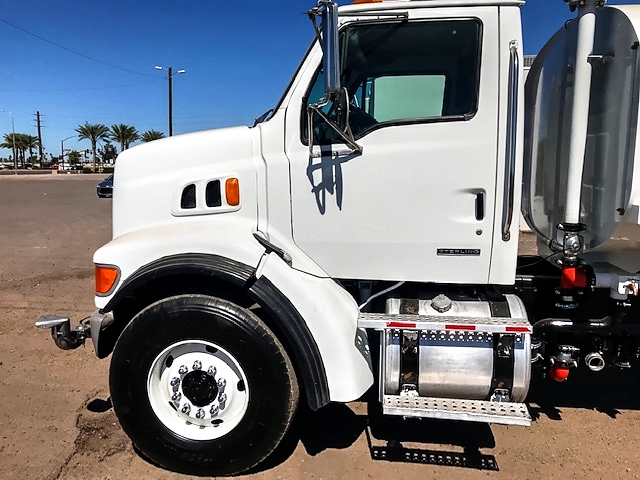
(262, 383)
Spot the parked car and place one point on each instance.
(105, 187)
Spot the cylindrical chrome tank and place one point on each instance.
(458, 363)
(610, 190)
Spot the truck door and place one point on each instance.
(418, 203)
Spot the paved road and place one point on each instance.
(56, 421)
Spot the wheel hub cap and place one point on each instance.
(200, 388)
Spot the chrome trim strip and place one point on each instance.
(512, 132)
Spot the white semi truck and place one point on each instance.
(364, 234)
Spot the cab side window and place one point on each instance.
(404, 72)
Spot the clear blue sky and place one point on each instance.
(238, 57)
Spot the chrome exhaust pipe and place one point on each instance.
(594, 361)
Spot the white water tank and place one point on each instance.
(610, 196)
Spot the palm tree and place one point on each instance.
(20, 143)
(151, 135)
(94, 133)
(124, 135)
(11, 143)
(31, 142)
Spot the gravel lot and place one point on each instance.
(56, 420)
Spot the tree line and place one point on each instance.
(123, 134)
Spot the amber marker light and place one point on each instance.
(232, 190)
(106, 277)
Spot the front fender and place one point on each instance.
(232, 262)
(318, 317)
(228, 237)
(331, 316)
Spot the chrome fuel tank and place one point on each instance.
(466, 352)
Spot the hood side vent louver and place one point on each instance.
(188, 199)
(213, 196)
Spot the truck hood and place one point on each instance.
(150, 178)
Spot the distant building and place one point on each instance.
(528, 61)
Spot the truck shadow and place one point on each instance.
(337, 426)
(608, 392)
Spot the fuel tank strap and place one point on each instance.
(503, 366)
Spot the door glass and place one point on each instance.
(404, 72)
(423, 97)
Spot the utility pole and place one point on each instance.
(39, 138)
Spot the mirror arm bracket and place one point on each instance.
(312, 16)
(346, 135)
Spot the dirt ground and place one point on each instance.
(56, 421)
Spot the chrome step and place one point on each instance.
(382, 321)
(506, 413)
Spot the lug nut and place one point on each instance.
(175, 381)
(176, 397)
(200, 414)
(186, 408)
(212, 371)
(222, 383)
(197, 365)
(214, 410)
(222, 397)
(183, 369)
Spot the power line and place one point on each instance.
(81, 89)
(73, 51)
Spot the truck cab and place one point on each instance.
(428, 97)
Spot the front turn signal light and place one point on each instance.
(232, 191)
(106, 277)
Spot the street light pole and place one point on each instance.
(13, 136)
(170, 77)
(62, 149)
(170, 74)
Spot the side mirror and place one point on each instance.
(328, 37)
(334, 94)
(330, 43)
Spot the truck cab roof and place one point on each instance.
(405, 4)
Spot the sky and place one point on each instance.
(93, 61)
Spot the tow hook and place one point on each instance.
(63, 335)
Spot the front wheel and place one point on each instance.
(202, 386)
